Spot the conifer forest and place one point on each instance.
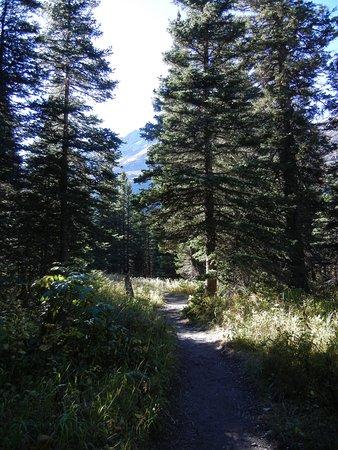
(194, 306)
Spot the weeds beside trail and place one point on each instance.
(290, 344)
(83, 366)
(154, 289)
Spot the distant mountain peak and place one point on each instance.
(134, 151)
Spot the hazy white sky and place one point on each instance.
(137, 32)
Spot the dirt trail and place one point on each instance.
(214, 407)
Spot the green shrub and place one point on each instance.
(86, 367)
(204, 309)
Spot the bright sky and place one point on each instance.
(137, 32)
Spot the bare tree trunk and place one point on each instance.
(128, 285)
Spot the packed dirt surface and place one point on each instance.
(214, 406)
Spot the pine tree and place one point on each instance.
(18, 81)
(326, 232)
(125, 199)
(203, 131)
(333, 100)
(125, 207)
(70, 167)
(289, 42)
(131, 245)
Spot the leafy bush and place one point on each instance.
(204, 309)
(82, 367)
(292, 347)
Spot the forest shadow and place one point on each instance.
(301, 385)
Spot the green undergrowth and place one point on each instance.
(154, 289)
(289, 344)
(82, 366)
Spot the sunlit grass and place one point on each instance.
(153, 289)
(291, 347)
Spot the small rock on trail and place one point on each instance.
(214, 407)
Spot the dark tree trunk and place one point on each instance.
(297, 265)
(2, 34)
(210, 247)
(9, 159)
(128, 285)
(127, 237)
(10, 252)
(64, 212)
(298, 276)
(209, 199)
(210, 223)
(149, 256)
(64, 231)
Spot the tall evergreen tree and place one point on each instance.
(203, 129)
(70, 167)
(131, 245)
(289, 39)
(18, 80)
(327, 224)
(333, 102)
(126, 222)
(125, 207)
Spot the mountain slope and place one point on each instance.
(134, 152)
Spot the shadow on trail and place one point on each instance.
(214, 407)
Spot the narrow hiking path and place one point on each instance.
(214, 407)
